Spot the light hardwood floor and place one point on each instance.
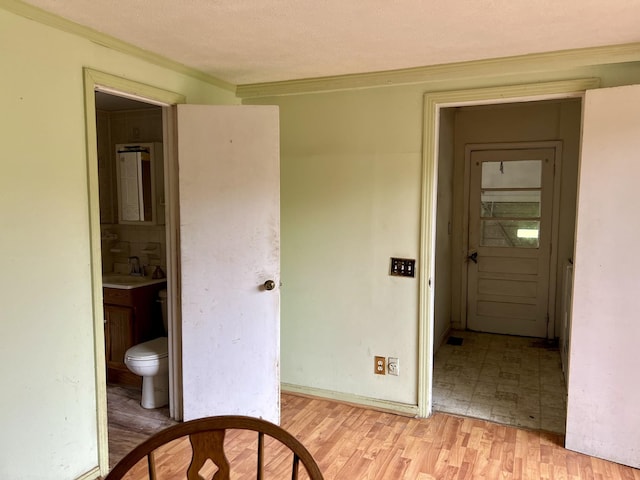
(351, 443)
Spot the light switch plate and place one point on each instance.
(403, 267)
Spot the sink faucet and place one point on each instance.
(134, 266)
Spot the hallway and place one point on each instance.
(515, 381)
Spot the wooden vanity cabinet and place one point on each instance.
(131, 316)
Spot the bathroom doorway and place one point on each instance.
(253, 240)
(131, 244)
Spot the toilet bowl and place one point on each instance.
(150, 360)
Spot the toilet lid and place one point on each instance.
(156, 348)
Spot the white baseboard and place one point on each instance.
(377, 404)
(90, 475)
(440, 341)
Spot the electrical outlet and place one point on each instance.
(393, 366)
(379, 365)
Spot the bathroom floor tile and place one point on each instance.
(478, 410)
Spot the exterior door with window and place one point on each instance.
(510, 223)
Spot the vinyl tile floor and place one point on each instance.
(511, 380)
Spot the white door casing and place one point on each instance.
(433, 103)
(228, 159)
(510, 215)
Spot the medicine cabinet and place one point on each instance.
(140, 180)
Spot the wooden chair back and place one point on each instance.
(207, 438)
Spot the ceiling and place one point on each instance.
(256, 41)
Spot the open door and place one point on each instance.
(603, 418)
(229, 184)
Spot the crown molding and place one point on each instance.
(33, 13)
(532, 63)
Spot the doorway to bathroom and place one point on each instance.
(133, 233)
(230, 277)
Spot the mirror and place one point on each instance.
(136, 186)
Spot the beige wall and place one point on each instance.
(350, 164)
(47, 352)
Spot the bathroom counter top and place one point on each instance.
(127, 282)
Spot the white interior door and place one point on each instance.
(603, 417)
(510, 222)
(229, 183)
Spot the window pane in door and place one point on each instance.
(510, 233)
(512, 174)
(510, 203)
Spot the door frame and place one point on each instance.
(95, 80)
(433, 103)
(556, 145)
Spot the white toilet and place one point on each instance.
(150, 360)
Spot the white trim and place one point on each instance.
(172, 222)
(439, 342)
(94, 80)
(90, 475)
(385, 405)
(433, 102)
(433, 76)
(555, 234)
(131, 96)
(96, 273)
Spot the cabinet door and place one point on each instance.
(119, 333)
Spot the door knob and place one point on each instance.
(269, 285)
(473, 257)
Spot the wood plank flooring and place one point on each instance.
(129, 423)
(351, 443)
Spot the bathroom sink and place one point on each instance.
(118, 280)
